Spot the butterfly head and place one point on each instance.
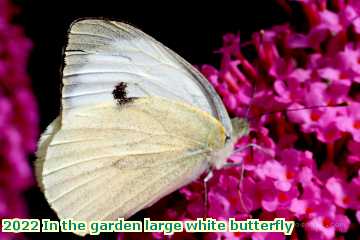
(219, 157)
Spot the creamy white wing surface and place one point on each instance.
(99, 160)
(43, 144)
(102, 53)
(109, 161)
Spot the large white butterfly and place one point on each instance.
(104, 158)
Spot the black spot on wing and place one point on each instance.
(120, 94)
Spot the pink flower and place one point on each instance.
(353, 197)
(326, 222)
(276, 200)
(18, 117)
(354, 152)
(305, 169)
(338, 190)
(347, 60)
(251, 195)
(351, 121)
(330, 21)
(264, 236)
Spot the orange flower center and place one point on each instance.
(237, 234)
(344, 75)
(343, 134)
(233, 200)
(309, 210)
(330, 102)
(330, 134)
(327, 222)
(314, 116)
(248, 159)
(282, 197)
(357, 124)
(346, 200)
(290, 175)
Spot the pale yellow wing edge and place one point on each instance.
(43, 144)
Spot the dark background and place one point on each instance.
(194, 32)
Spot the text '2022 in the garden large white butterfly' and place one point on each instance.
(137, 122)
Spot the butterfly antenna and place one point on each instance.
(247, 113)
(298, 109)
(240, 185)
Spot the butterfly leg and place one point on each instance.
(241, 165)
(240, 185)
(237, 164)
(205, 181)
(258, 147)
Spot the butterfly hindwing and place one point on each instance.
(43, 144)
(109, 161)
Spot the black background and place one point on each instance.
(194, 32)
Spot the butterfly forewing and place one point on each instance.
(102, 53)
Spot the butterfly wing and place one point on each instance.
(109, 161)
(43, 144)
(102, 53)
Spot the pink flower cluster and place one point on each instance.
(18, 117)
(309, 171)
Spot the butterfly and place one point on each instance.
(137, 123)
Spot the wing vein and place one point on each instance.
(91, 35)
(76, 187)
